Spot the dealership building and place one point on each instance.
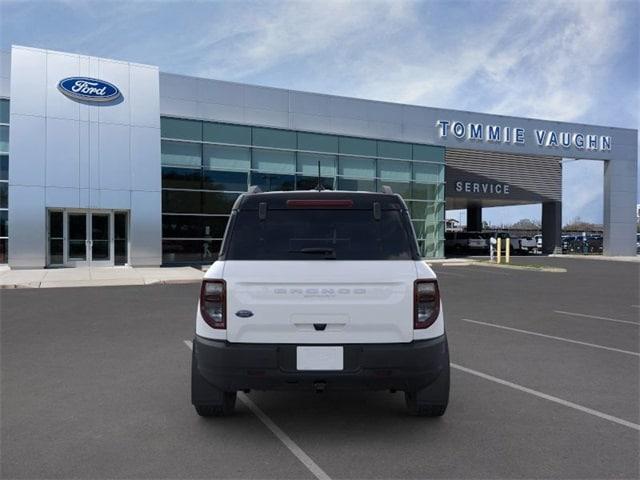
(107, 162)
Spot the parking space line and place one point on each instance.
(280, 434)
(551, 398)
(553, 337)
(596, 317)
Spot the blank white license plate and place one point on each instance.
(320, 358)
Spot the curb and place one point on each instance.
(521, 267)
(98, 283)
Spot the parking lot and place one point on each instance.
(545, 384)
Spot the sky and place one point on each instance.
(558, 60)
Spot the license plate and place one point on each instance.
(320, 358)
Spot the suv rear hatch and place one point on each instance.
(326, 271)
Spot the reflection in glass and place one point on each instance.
(120, 245)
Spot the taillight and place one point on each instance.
(213, 303)
(426, 303)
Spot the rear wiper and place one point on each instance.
(330, 252)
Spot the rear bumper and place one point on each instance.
(399, 366)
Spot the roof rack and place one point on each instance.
(254, 189)
(387, 190)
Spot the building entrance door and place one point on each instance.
(87, 238)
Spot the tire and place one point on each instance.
(432, 400)
(222, 410)
(207, 399)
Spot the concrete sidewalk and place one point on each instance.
(96, 277)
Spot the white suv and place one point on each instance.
(320, 290)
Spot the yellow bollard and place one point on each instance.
(499, 245)
(507, 249)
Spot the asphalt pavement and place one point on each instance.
(545, 384)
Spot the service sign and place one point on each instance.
(88, 89)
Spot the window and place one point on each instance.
(427, 153)
(180, 153)
(269, 182)
(176, 201)
(316, 234)
(394, 150)
(356, 167)
(4, 111)
(190, 178)
(274, 161)
(394, 170)
(182, 129)
(218, 202)
(357, 185)
(227, 158)
(216, 180)
(4, 195)
(4, 167)
(428, 173)
(120, 247)
(358, 146)
(4, 139)
(308, 164)
(224, 133)
(317, 143)
(271, 137)
(190, 251)
(206, 165)
(425, 191)
(311, 183)
(4, 223)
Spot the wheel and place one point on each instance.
(226, 408)
(207, 399)
(422, 410)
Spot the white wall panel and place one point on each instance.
(223, 113)
(28, 85)
(27, 141)
(115, 156)
(266, 98)
(310, 103)
(118, 74)
(223, 93)
(28, 227)
(59, 66)
(63, 153)
(271, 118)
(115, 199)
(145, 155)
(144, 97)
(146, 228)
(62, 197)
(83, 161)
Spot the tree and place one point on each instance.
(525, 224)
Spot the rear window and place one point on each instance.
(315, 234)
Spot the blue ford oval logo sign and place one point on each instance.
(89, 89)
(244, 313)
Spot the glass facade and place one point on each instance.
(4, 180)
(206, 165)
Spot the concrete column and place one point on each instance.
(620, 198)
(474, 218)
(551, 227)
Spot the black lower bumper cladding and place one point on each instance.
(400, 366)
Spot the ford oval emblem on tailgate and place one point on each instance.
(244, 313)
